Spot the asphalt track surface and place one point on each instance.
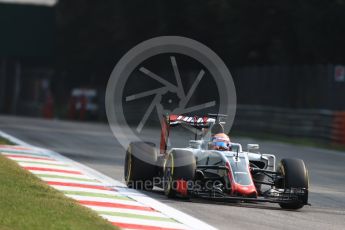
(95, 146)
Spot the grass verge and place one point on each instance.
(290, 140)
(4, 141)
(27, 203)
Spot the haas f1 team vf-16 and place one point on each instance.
(201, 171)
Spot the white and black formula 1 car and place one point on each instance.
(200, 171)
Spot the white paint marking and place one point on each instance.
(70, 181)
(161, 224)
(125, 210)
(60, 167)
(61, 174)
(101, 199)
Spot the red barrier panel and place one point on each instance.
(339, 127)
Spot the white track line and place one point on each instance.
(70, 181)
(125, 210)
(110, 200)
(161, 224)
(81, 176)
(39, 165)
(38, 161)
(23, 153)
(67, 188)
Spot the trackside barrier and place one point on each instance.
(339, 127)
(318, 125)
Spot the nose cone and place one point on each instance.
(247, 191)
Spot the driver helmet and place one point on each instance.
(221, 141)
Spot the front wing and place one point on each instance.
(276, 196)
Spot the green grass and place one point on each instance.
(26, 203)
(4, 141)
(290, 140)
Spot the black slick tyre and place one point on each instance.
(140, 165)
(295, 175)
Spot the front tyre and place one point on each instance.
(295, 176)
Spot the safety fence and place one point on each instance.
(319, 125)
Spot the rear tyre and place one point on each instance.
(179, 165)
(140, 165)
(295, 175)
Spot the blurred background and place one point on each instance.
(287, 57)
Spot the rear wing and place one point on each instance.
(175, 120)
(195, 122)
